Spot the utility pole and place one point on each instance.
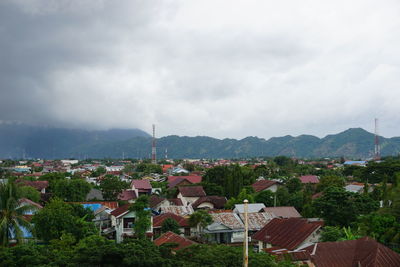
(246, 235)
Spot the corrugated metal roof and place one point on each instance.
(313, 179)
(141, 184)
(178, 210)
(257, 220)
(287, 233)
(365, 252)
(252, 207)
(228, 219)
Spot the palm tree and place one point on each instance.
(12, 214)
(200, 219)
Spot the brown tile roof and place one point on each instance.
(158, 220)
(194, 179)
(287, 233)
(38, 185)
(141, 184)
(155, 200)
(217, 201)
(178, 182)
(170, 237)
(192, 191)
(127, 195)
(351, 253)
(262, 185)
(283, 212)
(121, 210)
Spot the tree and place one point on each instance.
(170, 225)
(294, 185)
(12, 218)
(240, 198)
(282, 196)
(30, 193)
(267, 197)
(99, 171)
(142, 216)
(58, 217)
(329, 181)
(71, 190)
(200, 219)
(112, 186)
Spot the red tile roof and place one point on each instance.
(361, 252)
(287, 233)
(176, 201)
(127, 195)
(217, 201)
(158, 220)
(170, 237)
(141, 184)
(121, 210)
(283, 212)
(262, 185)
(313, 179)
(30, 202)
(194, 179)
(178, 182)
(192, 191)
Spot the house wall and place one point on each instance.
(313, 238)
(237, 237)
(272, 188)
(206, 205)
(187, 200)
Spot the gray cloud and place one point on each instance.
(219, 68)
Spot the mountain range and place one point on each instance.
(19, 140)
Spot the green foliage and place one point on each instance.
(282, 196)
(330, 181)
(294, 185)
(142, 216)
(230, 178)
(71, 190)
(200, 219)
(170, 225)
(240, 198)
(266, 197)
(12, 214)
(338, 207)
(331, 234)
(283, 161)
(111, 186)
(58, 217)
(30, 193)
(148, 168)
(99, 171)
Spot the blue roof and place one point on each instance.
(93, 207)
(351, 162)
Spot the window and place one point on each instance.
(128, 222)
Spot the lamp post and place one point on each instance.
(246, 233)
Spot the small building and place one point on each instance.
(190, 194)
(227, 228)
(174, 181)
(142, 187)
(262, 185)
(309, 179)
(38, 185)
(128, 195)
(122, 220)
(290, 234)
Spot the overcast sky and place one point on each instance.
(217, 68)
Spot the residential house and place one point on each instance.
(156, 202)
(256, 220)
(227, 228)
(181, 221)
(209, 202)
(262, 185)
(174, 181)
(142, 187)
(128, 195)
(38, 185)
(350, 253)
(190, 194)
(252, 207)
(283, 212)
(172, 238)
(358, 187)
(290, 234)
(122, 219)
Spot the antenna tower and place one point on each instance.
(153, 147)
(377, 155)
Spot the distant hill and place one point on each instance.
(42, 142)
